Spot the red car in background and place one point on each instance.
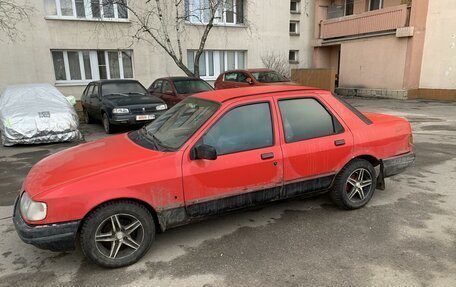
(172, 90)
(251, 77)
(211, 153)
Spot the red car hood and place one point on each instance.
(85, 160)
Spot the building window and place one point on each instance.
(72, 66)
(212, 63)
(294, 27)
(114, 10)
(294, 6)
(293, 56)
(375, 4)
(229, 12)
(349, 7)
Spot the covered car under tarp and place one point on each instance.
(36, 113)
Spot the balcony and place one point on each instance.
(387, 19)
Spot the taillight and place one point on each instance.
(410, 140)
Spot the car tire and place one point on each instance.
(87, 118)
(355, 185)
(117, 234)
(108, 127)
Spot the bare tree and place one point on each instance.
(277, 62)
(162, 23)
(11, 14)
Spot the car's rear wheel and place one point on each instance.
(117, 234)
(108, 127)
(354, 185)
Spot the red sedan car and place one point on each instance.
(212, 153)
(251, 77)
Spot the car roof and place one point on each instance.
(250, 70)
(181, 78)
(229, 94)
(115, 81)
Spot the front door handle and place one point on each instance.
(339, 142)
(267, 155)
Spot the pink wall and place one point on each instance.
(373, 63)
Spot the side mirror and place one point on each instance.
(169, 93)
(249, 80)
(205, 151)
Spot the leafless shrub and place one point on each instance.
(12, 14)
(277, 62)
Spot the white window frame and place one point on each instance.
(379, 8)
(218, 20)
(296, 23)
(216, 54)
(93, 56)
(298, 7)
(88, 13)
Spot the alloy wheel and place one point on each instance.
(358, 185)
(119, 236)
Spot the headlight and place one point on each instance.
(120, 111)
(32, 210)
(161, 107)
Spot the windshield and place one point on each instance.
(172, 129)
(191, 86)
(123, 88)
(269, 77)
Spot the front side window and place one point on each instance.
(87, 9)
(306, 119)
(213, 63)
(243, 128)
(92, 65)
(229, 12)
(172, 129)
(157, 86)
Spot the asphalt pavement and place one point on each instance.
(406, 235)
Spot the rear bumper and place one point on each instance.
(54, 237)
(395, 165)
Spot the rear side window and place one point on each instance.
(306, 119)
(231, 77)
(243, 128)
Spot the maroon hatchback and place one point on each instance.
(172, 90)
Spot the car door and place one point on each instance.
(316, 143)
(248, 168)
(85, 96)
(230, 80)
(168, 94)
(95, 101)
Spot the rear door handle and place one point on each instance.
(339, 142)
(267, 155)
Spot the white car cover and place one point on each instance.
(36, 113)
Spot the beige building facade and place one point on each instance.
(388, 48)
(69, 43)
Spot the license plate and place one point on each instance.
(145, 117)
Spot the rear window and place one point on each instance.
(353, 109)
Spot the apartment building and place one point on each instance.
(71, 42)
(388, 48)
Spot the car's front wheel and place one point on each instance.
(117, 234)
(108, 127)
(354, 185)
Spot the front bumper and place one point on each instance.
(130, 119)
(395, 165)
(54, 237)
